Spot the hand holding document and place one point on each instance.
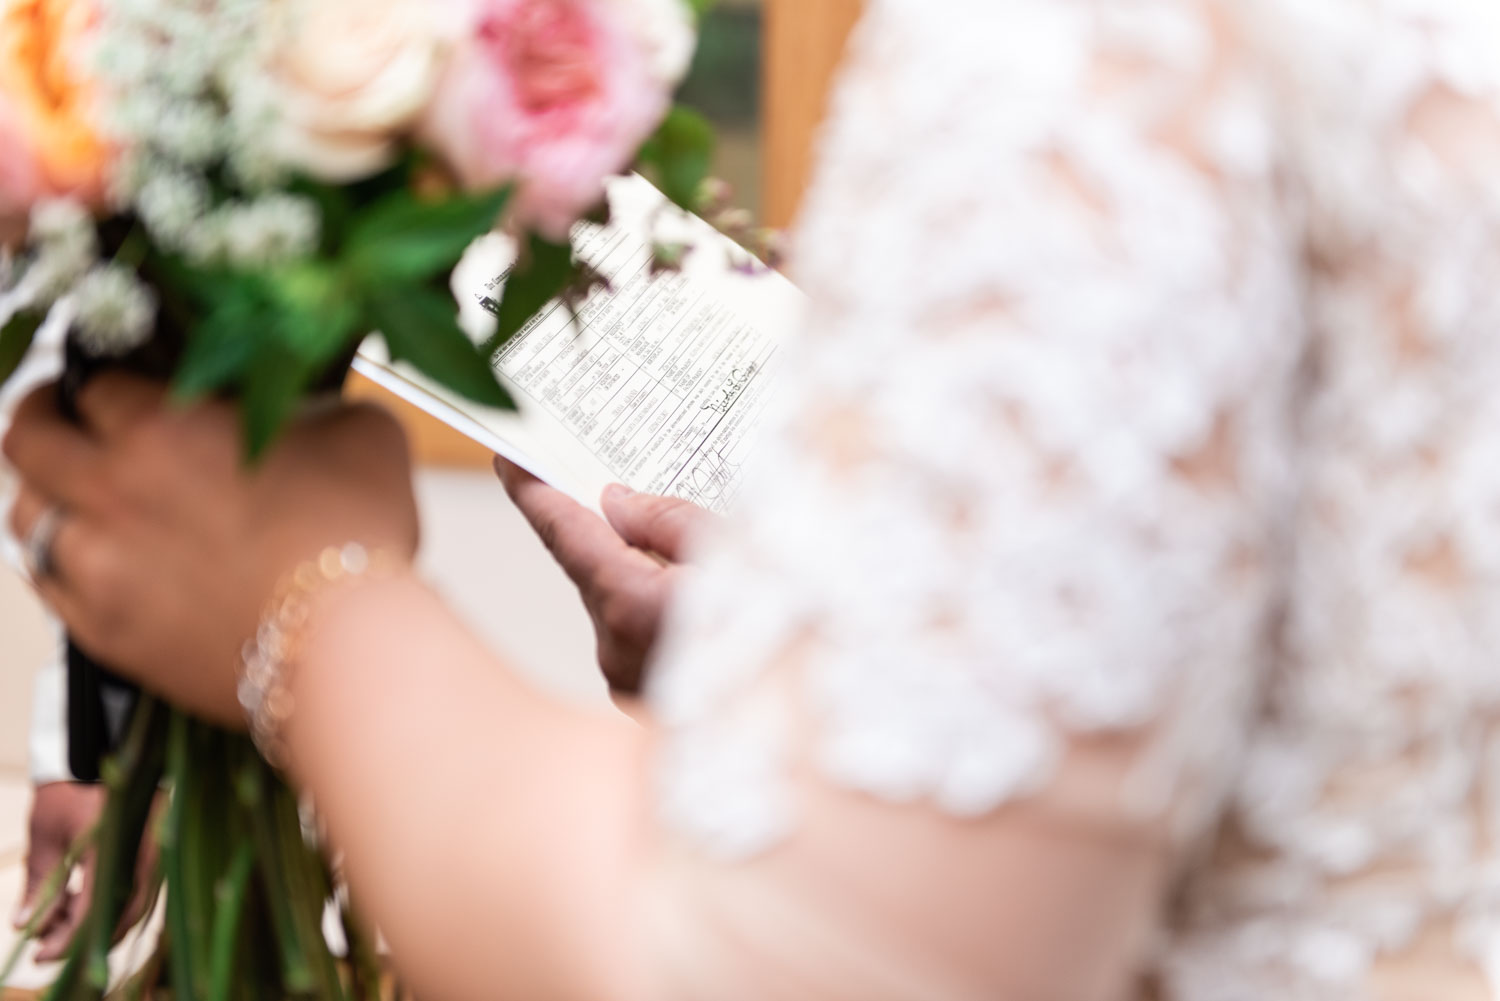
(658, 384)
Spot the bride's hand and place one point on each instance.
(617, 565)
(170, 544)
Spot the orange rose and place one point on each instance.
(50, 143)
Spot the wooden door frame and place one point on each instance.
(802, 47)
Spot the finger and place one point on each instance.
(113, 402)
(580, 541)
(50, 453)
(67, 915)
(27, 510)
(78, 904)
(43, 854)
(69, 544)
(70, 911)
(657, 524)
(511, 475)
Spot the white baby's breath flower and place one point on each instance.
(164, 62)
(188, 65)
(203, 243)
(114, 311)
(131, 173)
(190, 131)
(240, 16)
(123, 56)
(147, 13)
(271, 229)
(252, 160)
(254, 166)
(132, 117)
(65, 245)
(172, 204)
(59, 220)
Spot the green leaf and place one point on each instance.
(680, 154)
(335, 209)
(220, 348)
(402, 238)
(700, 8)
(543, 273)
(272, 389)
(306, 309)
(15, 340)
(420, 325)
(313, 310)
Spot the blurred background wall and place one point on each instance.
(25, 641)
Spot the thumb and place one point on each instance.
(661, 525)
(43, 855)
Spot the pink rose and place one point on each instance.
(553, 94)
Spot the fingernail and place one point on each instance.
(21, 916)
(617, 491)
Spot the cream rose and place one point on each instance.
(347, 77)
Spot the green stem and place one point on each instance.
(133, 776)
(180, 952)
(227, 921)
(295, 968)
(133, 248)
(301, 869)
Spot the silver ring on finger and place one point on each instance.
(39, 542)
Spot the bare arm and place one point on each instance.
(504, 842)
(498, 837)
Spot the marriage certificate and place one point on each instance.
(655, 380)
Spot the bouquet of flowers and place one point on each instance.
(231, 194)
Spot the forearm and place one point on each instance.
(501, 841)
(498, 838)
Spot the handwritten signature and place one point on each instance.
(738, 379)
(712, 479)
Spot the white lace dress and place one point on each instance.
(1141, 469)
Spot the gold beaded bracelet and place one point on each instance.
(266, 661)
